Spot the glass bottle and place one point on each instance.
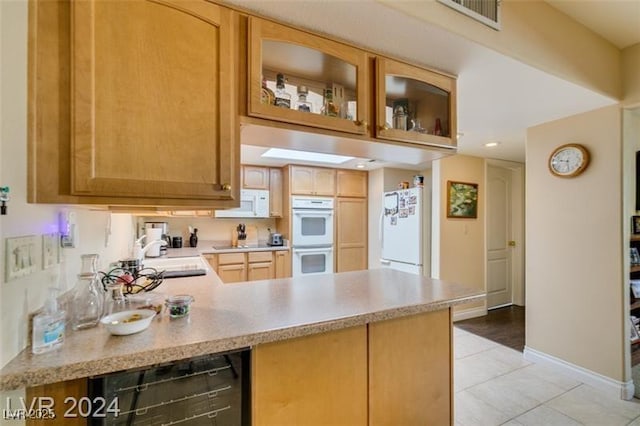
(282, 99)
(330, 108)
(87, 295)
(114, 300)
(400, 117)
(303, 104)
(266, 95)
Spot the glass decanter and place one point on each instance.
(87, 295)
(114, 300)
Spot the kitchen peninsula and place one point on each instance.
(376, 335)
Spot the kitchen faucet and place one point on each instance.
(139, 251)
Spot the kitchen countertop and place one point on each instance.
(233, 316)
(208, 247)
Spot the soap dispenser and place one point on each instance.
(48, 326)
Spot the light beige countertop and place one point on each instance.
(232, 316)
(208, 247)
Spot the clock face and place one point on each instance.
(568, 160)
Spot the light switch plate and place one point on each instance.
(20, 259)
(50, 250)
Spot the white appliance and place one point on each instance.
(401, 230)
(311, 235)
(312, 261)
(253, 203)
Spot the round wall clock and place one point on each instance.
(568, 160)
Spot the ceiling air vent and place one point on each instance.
(485, 11)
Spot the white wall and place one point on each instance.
(23, 295)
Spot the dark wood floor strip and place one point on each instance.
(502, 325)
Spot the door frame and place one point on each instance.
(517, 227)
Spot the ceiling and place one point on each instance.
(498, 97)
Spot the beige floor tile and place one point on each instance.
(516, 393)
(636, 422)
(545, 416)
(470, 344)
(483, 366)
(593, 407)
(471, 411)
(552, 376)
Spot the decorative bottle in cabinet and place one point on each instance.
(330, 108)
(283, 99)
(302, 104)
(266, 95)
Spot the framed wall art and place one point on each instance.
(462, 200)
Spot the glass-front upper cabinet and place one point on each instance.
(297, 77)
(414, 105)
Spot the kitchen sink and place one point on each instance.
(176, 267)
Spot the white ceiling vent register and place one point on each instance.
(485, 11)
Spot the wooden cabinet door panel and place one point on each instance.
(324, 182)
(314, 380)
(282, 264)
(410, 370)
(153, 106)
(275, 193)
(302, 180)
(231, 258)
(232, 273)
(351, 183)
(351, 234)
(255, 177)
(260, 271)
(259, 256)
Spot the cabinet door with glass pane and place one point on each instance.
(414, 105)
(299, 78)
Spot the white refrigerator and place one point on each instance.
(401, 230)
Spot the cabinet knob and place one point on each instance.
(225, 187)
(360, 123)
(383, 127)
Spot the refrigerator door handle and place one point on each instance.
(380, 230)
(385, 262)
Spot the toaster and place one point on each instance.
(275, 239)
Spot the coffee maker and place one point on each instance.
(157, 231)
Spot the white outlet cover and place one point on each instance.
(20, 259)
(50, 250)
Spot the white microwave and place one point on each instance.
(253, 203)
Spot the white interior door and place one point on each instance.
(499, 236)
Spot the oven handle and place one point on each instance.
(313, 250)
(326, 213)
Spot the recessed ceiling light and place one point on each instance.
(491, 144)
(316, 157)
(360, 166)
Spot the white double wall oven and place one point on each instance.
(312, 235)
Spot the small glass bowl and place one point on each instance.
(179, 305)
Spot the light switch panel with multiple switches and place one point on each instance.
(21, 256)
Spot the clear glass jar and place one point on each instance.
(87, 295)
(114, 300)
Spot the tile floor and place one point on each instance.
(494, 385)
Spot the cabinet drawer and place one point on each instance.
(230, 258)
(260, 256)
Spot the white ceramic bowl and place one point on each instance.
(128, 322)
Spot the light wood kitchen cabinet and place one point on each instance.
(60, 393)
(255, 177)
(417, 390)
(232, 267)
(275, 192)
(282, 263)
(312, 181)
(351, 234)
(423, 111)
(313, 380)
(351, 183)
(314, 62)
(250, 266)
(133, 104)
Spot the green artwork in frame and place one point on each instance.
(462, 200)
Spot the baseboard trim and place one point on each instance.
(615, 388)
(469, 313)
